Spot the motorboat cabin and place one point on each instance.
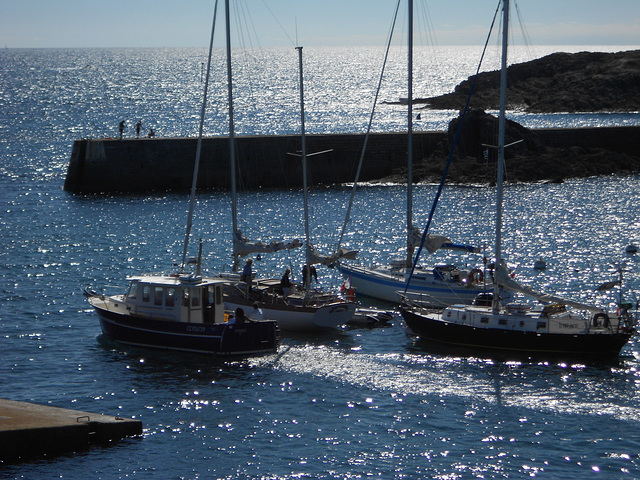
(181, 298)
(181, 312)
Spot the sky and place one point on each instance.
(187, 23)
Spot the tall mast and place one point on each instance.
(232, 154)
(194, 180)
(501, 141)
(304, 160)
(410, 136)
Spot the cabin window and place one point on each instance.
(170, 298)
(484, 320)
(133, 289)
(185, 297)
(502, 321)
(210, 295)
(158, 293)
(146, 293)
(542, 325)
(218, 296)
(195, 297)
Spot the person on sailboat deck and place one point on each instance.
(256, 313)
(308, 272)
(239, 317)
(247, 274)
(285, 283)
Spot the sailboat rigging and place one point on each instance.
(550, 330)
(182, 311)
(302, 309)
(439, 286)
(242, 246)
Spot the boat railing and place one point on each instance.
(419, 300)
(89, 292)
(621, 322)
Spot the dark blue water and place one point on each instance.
(353, 404)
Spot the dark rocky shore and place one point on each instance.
(530, 159)
(560, 82)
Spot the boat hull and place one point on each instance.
(250, 338)
(384, 286)
(499, 342)
(300, 318)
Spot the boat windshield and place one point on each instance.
(133, 288)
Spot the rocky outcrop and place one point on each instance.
(560, 82)
(531, 157)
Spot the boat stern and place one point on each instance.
(334, 314)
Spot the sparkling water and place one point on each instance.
(356, 403)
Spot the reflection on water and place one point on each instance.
(361, 400)
(354, 403)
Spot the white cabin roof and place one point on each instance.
(178, 280)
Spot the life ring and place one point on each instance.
(604, 317)
(475, 276)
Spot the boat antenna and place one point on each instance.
(196, 166)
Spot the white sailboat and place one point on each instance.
(439, 285)
(547, 330)
(303, 309)
(182, 311)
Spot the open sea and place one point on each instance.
(356, 403)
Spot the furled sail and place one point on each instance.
(504, 279)
(242, 246)
(314, 257)
(415, 237)
(432, 243)
(459, 246)
(608, 285)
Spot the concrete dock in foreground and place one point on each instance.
(30, 430)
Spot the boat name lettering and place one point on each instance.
(195, 328)
(568, 325)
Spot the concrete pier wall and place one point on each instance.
(166, 164)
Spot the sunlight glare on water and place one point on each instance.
(355, 403)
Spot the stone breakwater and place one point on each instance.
(112, 166)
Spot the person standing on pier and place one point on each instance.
(138, 127)
(121, 128)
